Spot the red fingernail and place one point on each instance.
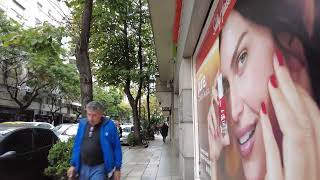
(280, 57)
(273, 80)
(263, 108)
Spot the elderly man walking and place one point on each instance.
(96, 151)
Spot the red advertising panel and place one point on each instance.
(258, 91)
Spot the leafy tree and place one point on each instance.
(65, 90)
(112, 99)
(6, 25)
(30, 60)
(121, 46)
(120, 39)
(125, 113)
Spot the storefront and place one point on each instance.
(222, 78)
(10, 114)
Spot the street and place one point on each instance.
(157, 162)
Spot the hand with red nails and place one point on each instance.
(214, 146)
(298, 117)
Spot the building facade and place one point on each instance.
(177, 26)
(30, 13)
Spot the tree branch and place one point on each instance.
(128, 93)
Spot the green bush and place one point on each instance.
(131, 139)
(59, 160)
(147, 134)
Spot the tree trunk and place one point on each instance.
(134, 106)
(140, 108)
(148, 103)
(19, 113)
(52, 117)
(82, 56)
(138, 98)
(136, 124)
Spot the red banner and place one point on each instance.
(221, 13)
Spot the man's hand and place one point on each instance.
(117, 175)
(71, 172)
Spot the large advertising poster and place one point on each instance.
(258, 91)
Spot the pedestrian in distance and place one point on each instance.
(164, 131)
(119, 129)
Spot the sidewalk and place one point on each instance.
(153, 163)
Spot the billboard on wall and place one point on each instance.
(258, 91)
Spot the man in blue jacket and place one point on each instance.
(96, 151)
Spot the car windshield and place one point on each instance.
(57, 127)
(61, 128)
(71, 131)
(47, 126)
(126, 129)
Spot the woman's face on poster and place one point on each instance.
(246, 62)
(247, 52)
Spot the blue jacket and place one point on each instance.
(110, 144)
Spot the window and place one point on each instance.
(38, 21)
(127, 129)
(49, 13)
(60, 129)
(39, 5)
(42, 138)
(71, 131)
(47, 100)
(18, 15)
(19, 4)
(20, 141)
(47, 126)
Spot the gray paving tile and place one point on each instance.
(164, 178)
(133, 178)
(176, 178)
(148, 178)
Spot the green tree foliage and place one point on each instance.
(121, 40)
(65, 89)
(112, 99)
(156, 117)
(32, 61)
(7, 26)
(121, 46)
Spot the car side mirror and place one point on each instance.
(8, 155)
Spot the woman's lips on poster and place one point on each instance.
(245, 138)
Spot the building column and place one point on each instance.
(186, 136)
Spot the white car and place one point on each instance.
(36, 124)
(126, 130)
(66, 131)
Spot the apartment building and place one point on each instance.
(30, 13)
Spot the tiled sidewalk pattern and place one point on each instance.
(156, 162)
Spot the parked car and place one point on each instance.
(126, 130)
(24, 150)
(36, 124)
(66, 131)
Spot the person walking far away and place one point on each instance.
(96, 151)
(164, 132)
(119, 129)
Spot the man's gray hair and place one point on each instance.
(95, 106)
